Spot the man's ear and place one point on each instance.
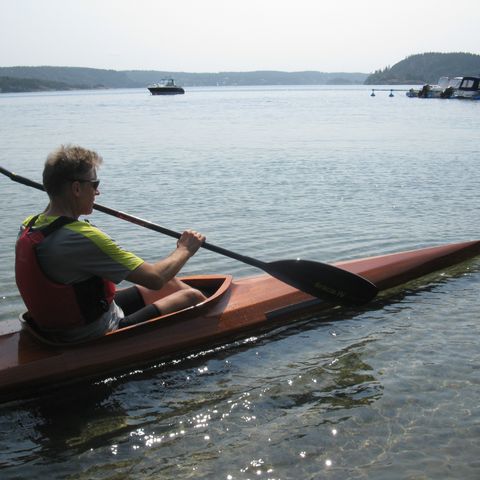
(75, 189)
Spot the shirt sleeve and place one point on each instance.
(104, 257)
(79, 251)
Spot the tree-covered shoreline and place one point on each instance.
(18, 85)
(14, 79)
(414, 70)
(427, 68)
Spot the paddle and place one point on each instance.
(321, 280)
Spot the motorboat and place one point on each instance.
(166, 87)
(469, 88)
(456, 87)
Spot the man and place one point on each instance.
(66, 269)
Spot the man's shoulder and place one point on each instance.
(85, 228)
(101, 240)
(30, 218)
(42, 220)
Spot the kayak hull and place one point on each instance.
(237, 306)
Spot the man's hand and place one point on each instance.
(191, 241)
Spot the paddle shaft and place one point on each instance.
(324, 281)
(143, 223)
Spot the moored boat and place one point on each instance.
(469, 88)
(444, 89)
(233, 308)
(457, 87)
(165, 87)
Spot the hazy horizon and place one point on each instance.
(182, 71)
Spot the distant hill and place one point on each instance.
(75, 77)
(90, 78)
(12, 85)
(142, 78)
(427, 68)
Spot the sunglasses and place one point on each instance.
(95, 183)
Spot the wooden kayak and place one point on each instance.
(233, 308)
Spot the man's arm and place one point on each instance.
(155, 275)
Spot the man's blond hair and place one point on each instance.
(66, 164)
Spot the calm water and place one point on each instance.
(390, 391)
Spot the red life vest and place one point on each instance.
(56, 306)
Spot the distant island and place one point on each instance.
(17, 79)
(16, 85)
(414, 70)
(427, 68)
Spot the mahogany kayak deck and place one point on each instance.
(236, 306)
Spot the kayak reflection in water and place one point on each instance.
(66, 269)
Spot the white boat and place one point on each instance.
(469, 88)
(456, 87)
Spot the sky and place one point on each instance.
(233, 35)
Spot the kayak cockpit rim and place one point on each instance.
(213, 286)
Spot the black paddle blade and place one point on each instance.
(332, 284)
